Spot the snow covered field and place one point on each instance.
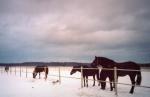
(12, 85)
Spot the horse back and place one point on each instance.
(41, 69)
(89, 71)
(128, 65)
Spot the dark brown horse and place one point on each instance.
(39, 69)
(129, 68)
(6, 68)
(87, 71)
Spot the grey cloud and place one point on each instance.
(74, 30)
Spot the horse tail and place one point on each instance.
(139, 78)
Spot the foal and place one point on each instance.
(87, 72)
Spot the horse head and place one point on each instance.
(75, 69)
(95, 62)
(34, 74)
(7, 68)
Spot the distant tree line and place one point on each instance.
(44, 63)
(54, 64)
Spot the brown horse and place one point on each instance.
(87, 71)
(129, 68)
(39, 69)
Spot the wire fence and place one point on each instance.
(28, 70)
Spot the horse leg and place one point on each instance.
(84, 80)
(102, 79)
(87, 81)
(103, 84)
(132, 78)
(111, 87)
(94, 80)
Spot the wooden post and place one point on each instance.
(20, 71)
(59, 76)
(115, 79)
(26, 72)
(1, 69)
(10, 69)
(81, 77)
(15, 70)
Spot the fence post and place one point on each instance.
(59, 76)
(15, 70)
(20, 71)
(81, 77)
(3, 69)
(10, 69)
(115, 79)
(26, 72)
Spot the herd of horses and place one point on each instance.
(131, 69)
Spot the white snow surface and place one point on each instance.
(12, 85)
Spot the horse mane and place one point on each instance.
(107, 59)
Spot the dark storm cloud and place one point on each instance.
(74, 30)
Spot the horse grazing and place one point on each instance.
(39, 69)
(87, 71)
(6, 68)
(128, 68)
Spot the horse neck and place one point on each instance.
(34, 71)
(93, 66)
(83, 68)
(79, 70)
(109, 64)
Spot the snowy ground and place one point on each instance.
(12, 85)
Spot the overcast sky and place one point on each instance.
(74, 30)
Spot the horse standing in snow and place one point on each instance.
(87, 71)
(126, 68)
(39, 69)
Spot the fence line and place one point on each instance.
(92, 80)
(59, 75)
(106, 69)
